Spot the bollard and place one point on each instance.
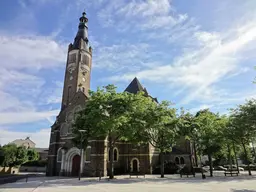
(26, 179)
(100, 176)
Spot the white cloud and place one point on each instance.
(140, 15)
(22, 59)
(121, 56)
(26, 116)
(12, 103)
(197, 70)
(41, 137)
(31, 52)
(146, 8)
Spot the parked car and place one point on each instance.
(220, 168)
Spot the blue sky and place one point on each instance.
(197, 54)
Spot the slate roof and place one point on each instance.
(135, 87)
(82, 32)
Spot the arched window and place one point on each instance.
(59, 155)
(88, 154)
(177, 160)
(115, 154)
(182, 161)
(64, 129)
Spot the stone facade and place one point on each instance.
(63, 156)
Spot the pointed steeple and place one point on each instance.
(134, 86)
(82, 32)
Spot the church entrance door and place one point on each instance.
(135, 165)
(75, 165)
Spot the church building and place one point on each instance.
(64, 158)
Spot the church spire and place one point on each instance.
(82, 32)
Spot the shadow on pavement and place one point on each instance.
(66, 182)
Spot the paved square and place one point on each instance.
(151, 183)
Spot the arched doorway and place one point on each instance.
(135, 165)
(75, 165)
(177, 160)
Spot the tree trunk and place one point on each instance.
(195, 153)
(229, 158)
(254, 153)
(201, 164)
(210, 161)
(162, 163)
(111, 159)
(235, 157)
(246, 158)
(191, 165)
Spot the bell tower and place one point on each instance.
(78, 65)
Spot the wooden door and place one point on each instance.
(135, 165)
(75, 165)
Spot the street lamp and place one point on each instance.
(81, 145)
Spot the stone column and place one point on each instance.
(62, 169)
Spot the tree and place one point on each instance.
(108, 114)
(13, 155)
(160, 128)
(32, 155)
(188, 128)
(1, 156)
(231, 145)
(209, 137)
(85, 121)
(243, 126)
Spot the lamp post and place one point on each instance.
(81, 145)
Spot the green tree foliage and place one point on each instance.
(13, 156)
(187, 127)
(32, 155)
(242, 127)
(209, 130)
(1, 155)
(108, 114)
(160, 128)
